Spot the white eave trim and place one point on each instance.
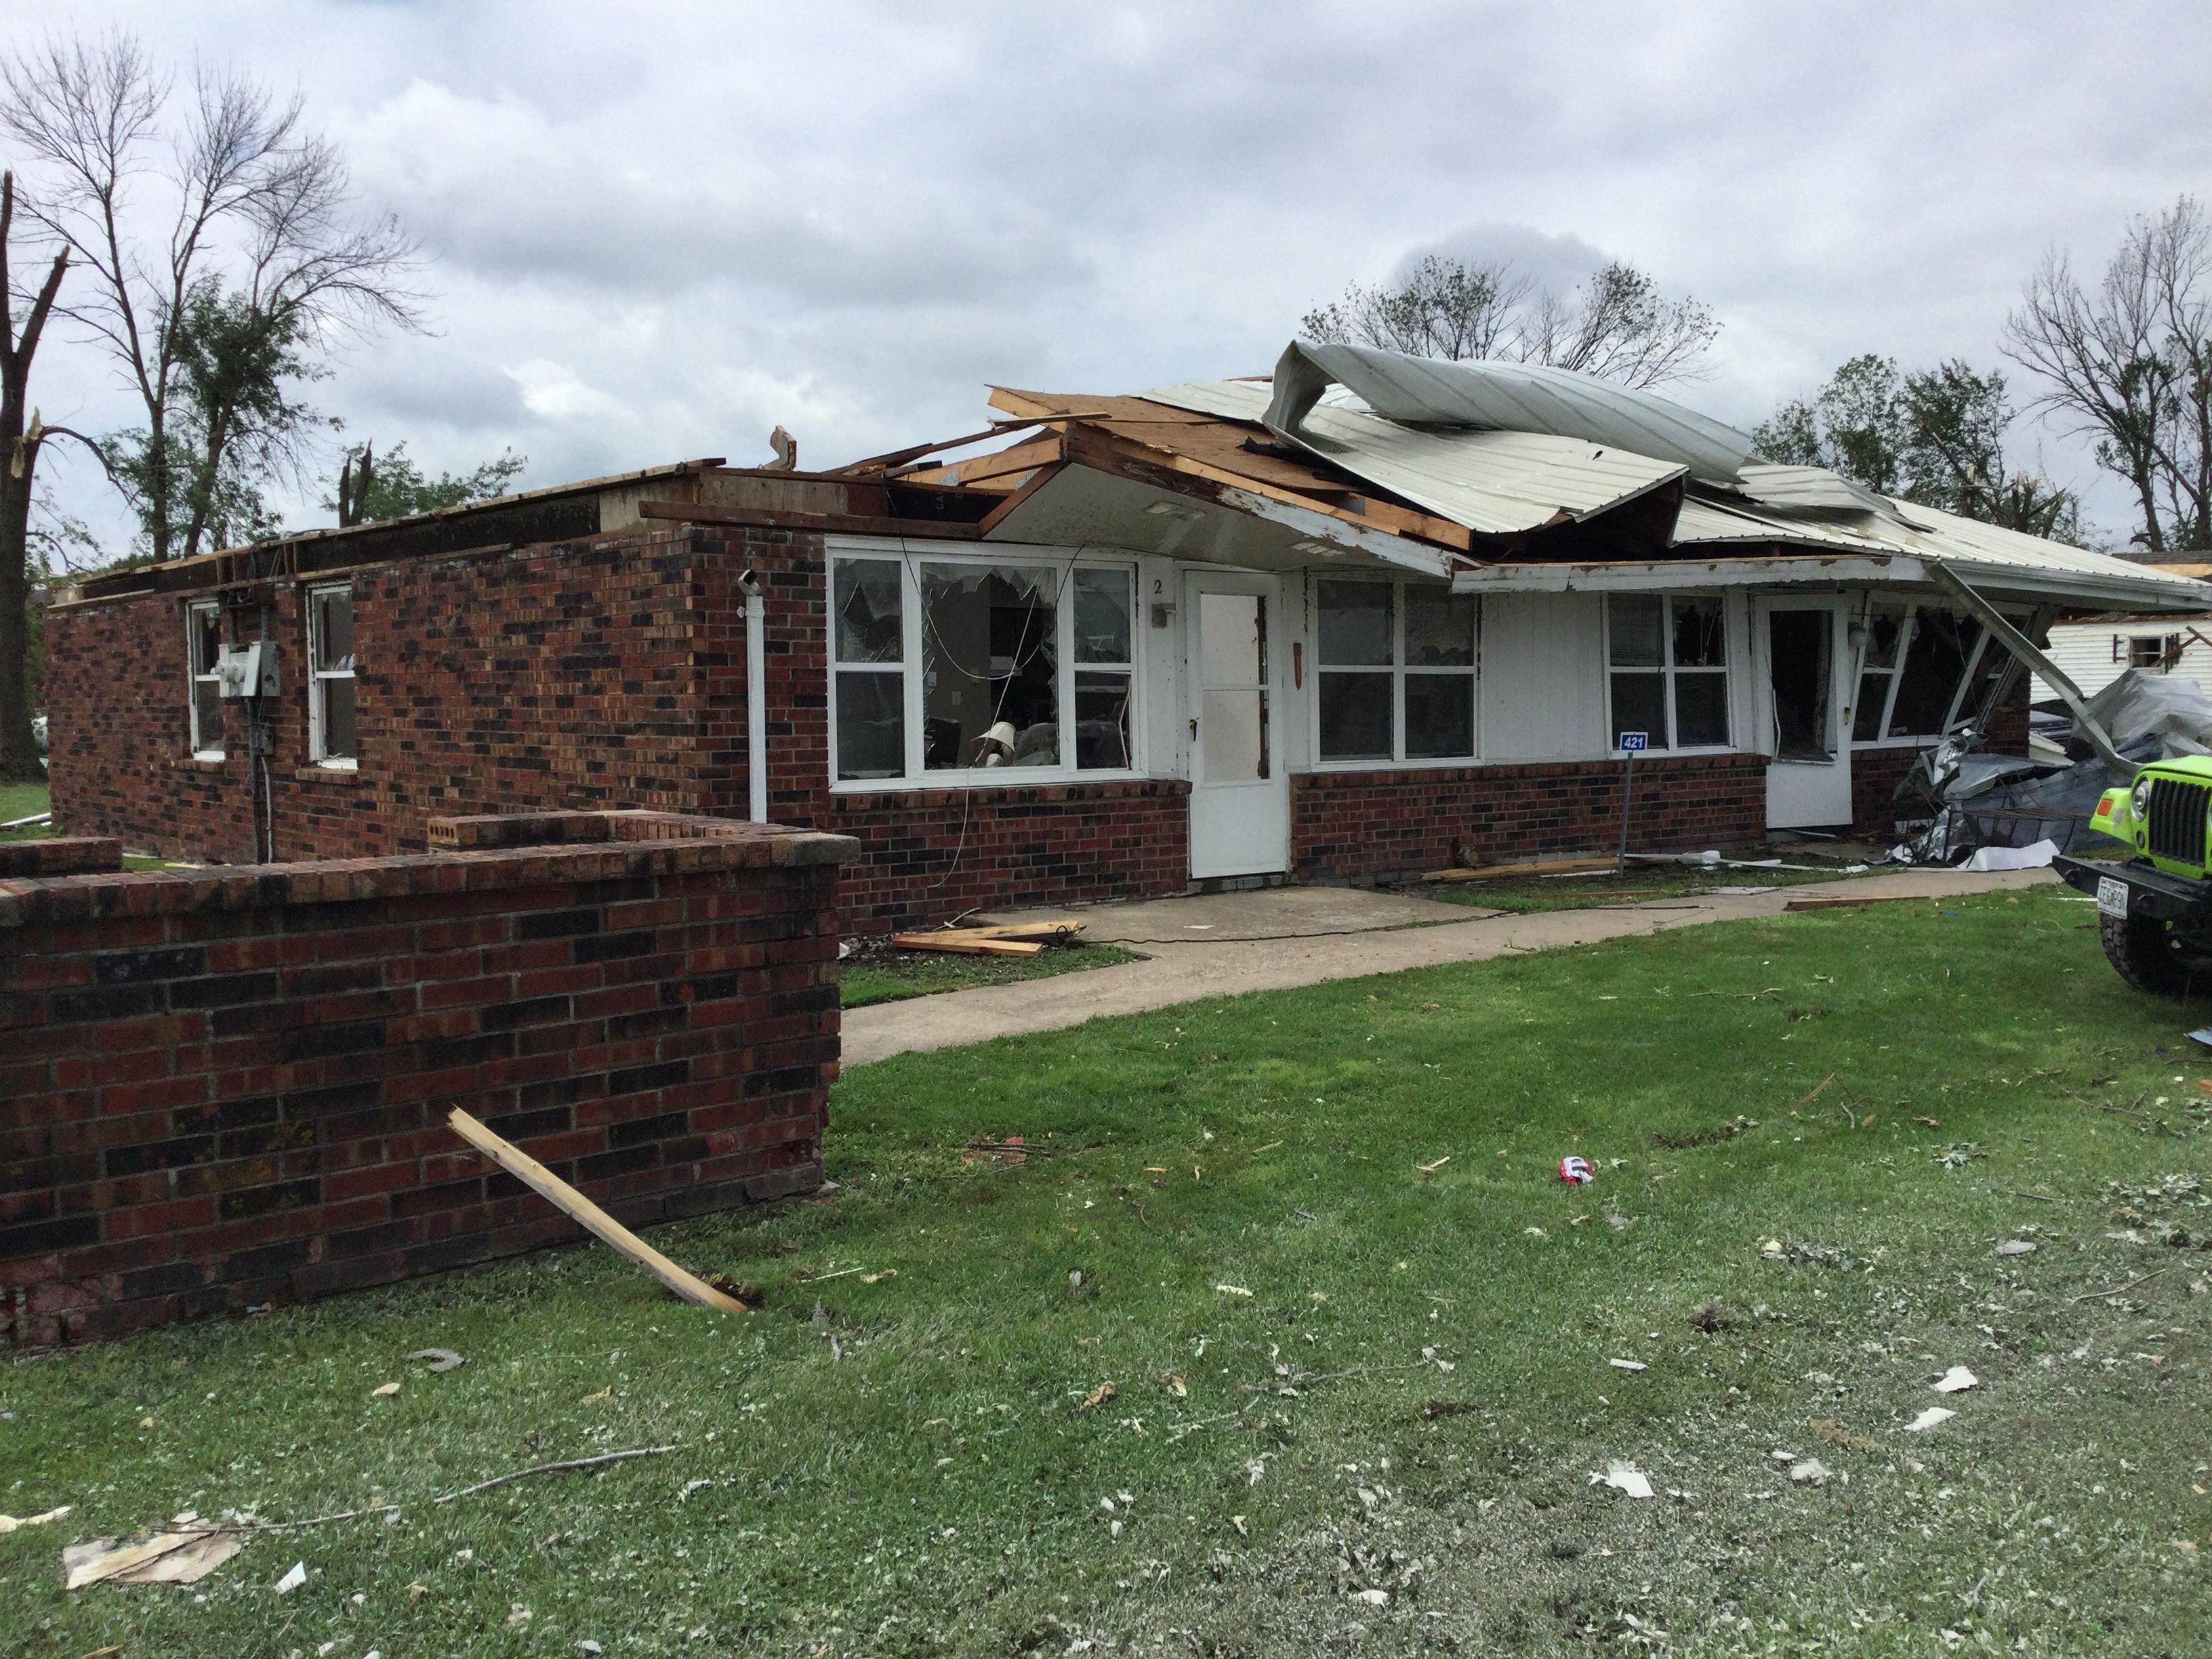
(1391, 549)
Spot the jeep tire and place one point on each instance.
(2148, 954)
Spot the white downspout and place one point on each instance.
(756, 696)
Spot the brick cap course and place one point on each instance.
(907, 798)
(61, 855)
(1647, 764)
(481, 855)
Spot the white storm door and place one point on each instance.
(1240, 795)
(1804, 693)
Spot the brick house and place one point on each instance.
(1225, 631)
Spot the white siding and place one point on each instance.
(1542, 689)
(2084, 653)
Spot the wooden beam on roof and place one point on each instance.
(857, 524)
(1004, 463)
(1038, 480)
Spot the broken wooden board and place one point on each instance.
(169, 1558)
(1021, 939)
(589, 1216)
(1854, 903)
(1554, 867)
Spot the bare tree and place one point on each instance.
(222, 258)
(1617, 324)
(2130, 365)
(20, 440)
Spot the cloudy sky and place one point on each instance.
(657, 230)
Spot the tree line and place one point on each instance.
(202, 240)
(2124, 360)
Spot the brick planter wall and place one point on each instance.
(222, 1089)
(1359, 826)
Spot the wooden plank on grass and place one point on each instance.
(961, 945)
(1854, 903)
(1555, 868)
(589, 1216)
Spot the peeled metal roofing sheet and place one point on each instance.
(1493, 483)
(1810, 486)
(1703, 522)
(1515, 397)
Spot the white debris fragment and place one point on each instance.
(1373, 1598)
(2016, 1247)
(1771, 1249)
(1957, 1380)
(1625, 1478)
(292, 1580)
(1232, 1289)
(1810, 1473)
(1934, 1416)
(1628, 1364)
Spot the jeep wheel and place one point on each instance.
(2148, 954)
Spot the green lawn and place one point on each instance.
(20, 800)
(1641, 883)
(1355, 1407)
(891, 975)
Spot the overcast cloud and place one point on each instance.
(655, 231)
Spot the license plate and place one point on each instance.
(2111, 897)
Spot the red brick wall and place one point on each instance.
(1360, 825)
(222, 1089)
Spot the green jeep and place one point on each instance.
(2154, 911)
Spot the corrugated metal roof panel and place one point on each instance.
(1704, 521)
(1493, 483)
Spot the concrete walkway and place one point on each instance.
(1224, 944)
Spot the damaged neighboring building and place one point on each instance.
(1374, 616)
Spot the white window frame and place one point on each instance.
(911, 565)
(1954, 715)
(1399, 670)
(1666, 669)
(320, 678)
(202, 750)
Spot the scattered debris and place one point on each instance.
(384, 1391)
(1025, 939)
(1173, 1383)
(1711, 1318)
(2016, 1247)
(1232, 1289)
(1541, 867)
(1932, 1418)
(1832, 1431)
(1431, 1169)
(440, 1359)
(1628, 1364)
(588, 1215)
(2121, 1290)
(184, 1557)
(1577, 1172)
(1773, 1250)
(9, 1523)
(1958, 1156)
(1957, 1380)
(1810, 1473)
(1818, 1090)
(1624, 1478)
(292, 1580)
(878, 1277)
(517, 1615)
(1713, 1137)
(1097, 1396)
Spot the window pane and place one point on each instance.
(871, 725)
(1866, 717)
(1639, 704)
(203, 637)
(1698, 634)
(1439, 715)
(1101, 721)
(1701, 710)
(990, 680)
(1995, 660)
(207, 700)
(1232, 735)
(1635, 620)
(1355, 623)
(1884, 628)
(1102, 615)
(868, 616)
(333, 616)
(1355, 716)
(339, 742)
(1933, 664)
(1439, 629)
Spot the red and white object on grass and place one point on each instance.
(1577, 1172)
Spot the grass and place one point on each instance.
(1642, 884)
(1410, 1401)
(893, 975)
(20, 800)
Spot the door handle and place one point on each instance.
(1194, 728)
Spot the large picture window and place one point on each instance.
(952, 667)
(1922, 670)
(1395, 668)
(332, 735)
(1667, 655)
(203, 646)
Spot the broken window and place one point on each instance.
(868, 644)
(1884, 633)
(1923, 670)
(203, 646)
(1943, 645)
(333, 737)
(1668, 660)
(2153, 653)
(942, 665)
(1396, 667)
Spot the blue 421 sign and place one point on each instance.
(1634, 743)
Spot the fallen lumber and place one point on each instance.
(1551, 867)
(961, 945)
(589, 1216)
(1854, 903)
